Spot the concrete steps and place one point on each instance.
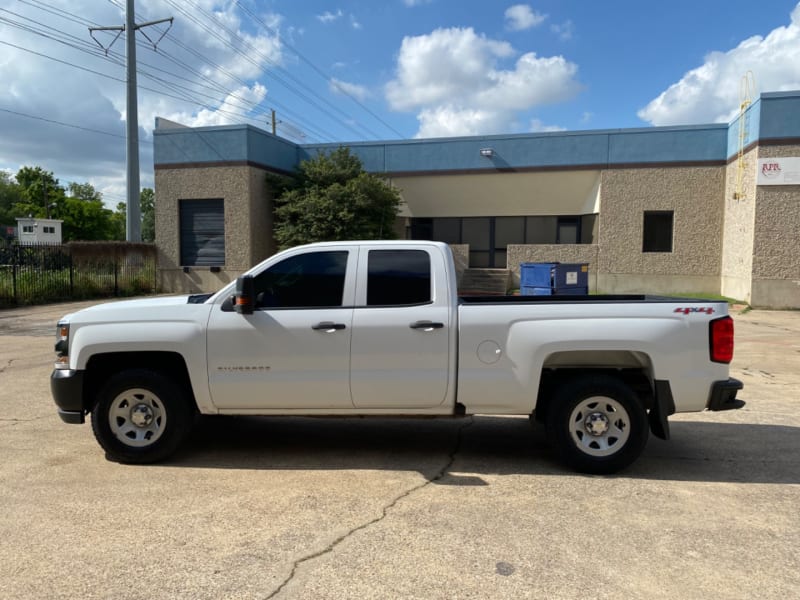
(484, 281)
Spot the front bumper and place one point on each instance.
(723, 395)
(66, 385)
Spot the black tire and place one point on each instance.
(597, 424)
(141, 416)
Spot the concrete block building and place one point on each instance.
(710, 209)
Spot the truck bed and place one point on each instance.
(568, 298)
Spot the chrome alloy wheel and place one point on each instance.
(137, 417)
(599, 426)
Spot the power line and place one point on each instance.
(72, 125)
(117, 58)
(319, 71)
(188, 95)
(269, 73)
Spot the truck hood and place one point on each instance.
(145, 309)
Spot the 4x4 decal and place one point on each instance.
(686, 310)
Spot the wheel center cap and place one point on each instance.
(142, 415)
(596, 424)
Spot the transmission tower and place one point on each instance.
(133, 226)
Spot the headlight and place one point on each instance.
(62, 345)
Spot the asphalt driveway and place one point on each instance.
(401, 508)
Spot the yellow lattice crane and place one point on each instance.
(746, 89)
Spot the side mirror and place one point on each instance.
(245, 295)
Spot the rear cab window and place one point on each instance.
(398, 278)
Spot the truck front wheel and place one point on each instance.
(597, 424)
(141, 416)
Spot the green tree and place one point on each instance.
(147, 202)
(10, 194)
(119, 218)
(84, 214)
(40, 195)
(147, 197)
(331, 197)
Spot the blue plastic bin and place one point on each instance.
(529, 290)
(539, 275)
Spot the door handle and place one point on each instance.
(426, 325)
(328, 326)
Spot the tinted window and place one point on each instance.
(541, 230)
(657, 236)
(202, 231)
(310, 280)
(588, 223)
(398, 277)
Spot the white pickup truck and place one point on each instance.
(377, 329)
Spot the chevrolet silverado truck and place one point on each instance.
(378, 329)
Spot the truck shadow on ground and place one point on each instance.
(698, 450)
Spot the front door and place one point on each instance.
(293, 352)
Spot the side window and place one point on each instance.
(398, 277)
(312, 280)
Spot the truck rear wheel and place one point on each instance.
(141, 416)
(597, 424)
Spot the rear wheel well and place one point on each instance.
(101, 367)
(552, 378)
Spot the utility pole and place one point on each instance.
(274, 123)
(133, 226)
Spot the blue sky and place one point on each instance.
(359, 70)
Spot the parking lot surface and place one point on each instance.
(462, 508)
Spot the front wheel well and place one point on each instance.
(553, 378)
(101, 367)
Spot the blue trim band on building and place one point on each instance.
(769, 119)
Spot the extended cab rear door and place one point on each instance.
(402, 325)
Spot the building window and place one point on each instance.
(488, 237)
(48, 229)
(657, 235)
(569, 230)
(27, 229)
(202, 232)
(398, 277)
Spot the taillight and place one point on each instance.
(720, 340)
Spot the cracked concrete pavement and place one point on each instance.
(336, 508)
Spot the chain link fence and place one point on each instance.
(42, 273)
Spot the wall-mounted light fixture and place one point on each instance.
(487, 152)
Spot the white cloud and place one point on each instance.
(537, 126)
(710, 93)
(564, 30)
(450, 121)
(337, 86)
(41, 87)
(453, 78)
(521, 16)
(411, 3)
(354, 23)
(226, 112)
(329, 17)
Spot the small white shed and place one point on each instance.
(38, 231)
